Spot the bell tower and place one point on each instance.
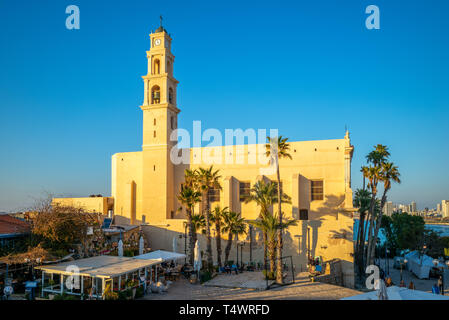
(159, 120)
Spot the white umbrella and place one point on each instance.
(197, 262)
(175, 245)
(120, 248)
(141, 244)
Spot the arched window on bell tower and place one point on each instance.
(155, 95)
(156, 66)
(170, 95)
(169, 71)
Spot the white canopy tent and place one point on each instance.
(420, 264)
(398, 293)
(94, 273)
(161, 254)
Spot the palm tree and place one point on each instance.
(198, 224)
(234, 225)
(208, 179)
(379, 155)
(364, 170)
(265, 195)
(269, 224)
(191, 178)
(376, 158)
(216, 218)
(388, 173)
(189, 197)
(281, 147)
(362, 199)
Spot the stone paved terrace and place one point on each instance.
(248, 280)
(302, 289)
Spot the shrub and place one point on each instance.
(122, 295)
(139, 292)
(205, 276)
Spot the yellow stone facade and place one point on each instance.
(91, 204)
(145, 183)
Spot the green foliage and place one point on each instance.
(130, 252)
(434, 243)
(198, 223)
(404, 231)
(362, 199)
(20, 245)
(445, 241)
(205, 275)
(125, 294)
(140, 292)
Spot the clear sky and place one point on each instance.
(69, 98)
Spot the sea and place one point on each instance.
(443, 230)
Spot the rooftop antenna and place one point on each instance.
(160, 18)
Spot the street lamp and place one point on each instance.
(436, 262)
(185, 242)
(251, 244)
(241, 253)
(402, 264)
(387, 261)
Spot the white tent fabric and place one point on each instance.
(120, 248)
(141, 245)
(382, 293)
(197, 264)
(398, 293)
(175, 244)
(162, 255)
(419, 264)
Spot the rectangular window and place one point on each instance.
(245, 188)
(303, 214)
(214, 195)
(317, 190)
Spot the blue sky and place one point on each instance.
(69, 98)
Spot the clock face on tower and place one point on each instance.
(157, 42)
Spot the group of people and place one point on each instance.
(229, 269)
(437, 288)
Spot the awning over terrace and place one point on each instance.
(100, 266)
(161, 255)
(94, 276)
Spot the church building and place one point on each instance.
(145, 183)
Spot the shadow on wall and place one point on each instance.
(160, 238)
(324, 232)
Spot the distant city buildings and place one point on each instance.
(413, 207)
(445, 208)
(389, 208)
(441, 210)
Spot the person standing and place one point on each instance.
(441, 285)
